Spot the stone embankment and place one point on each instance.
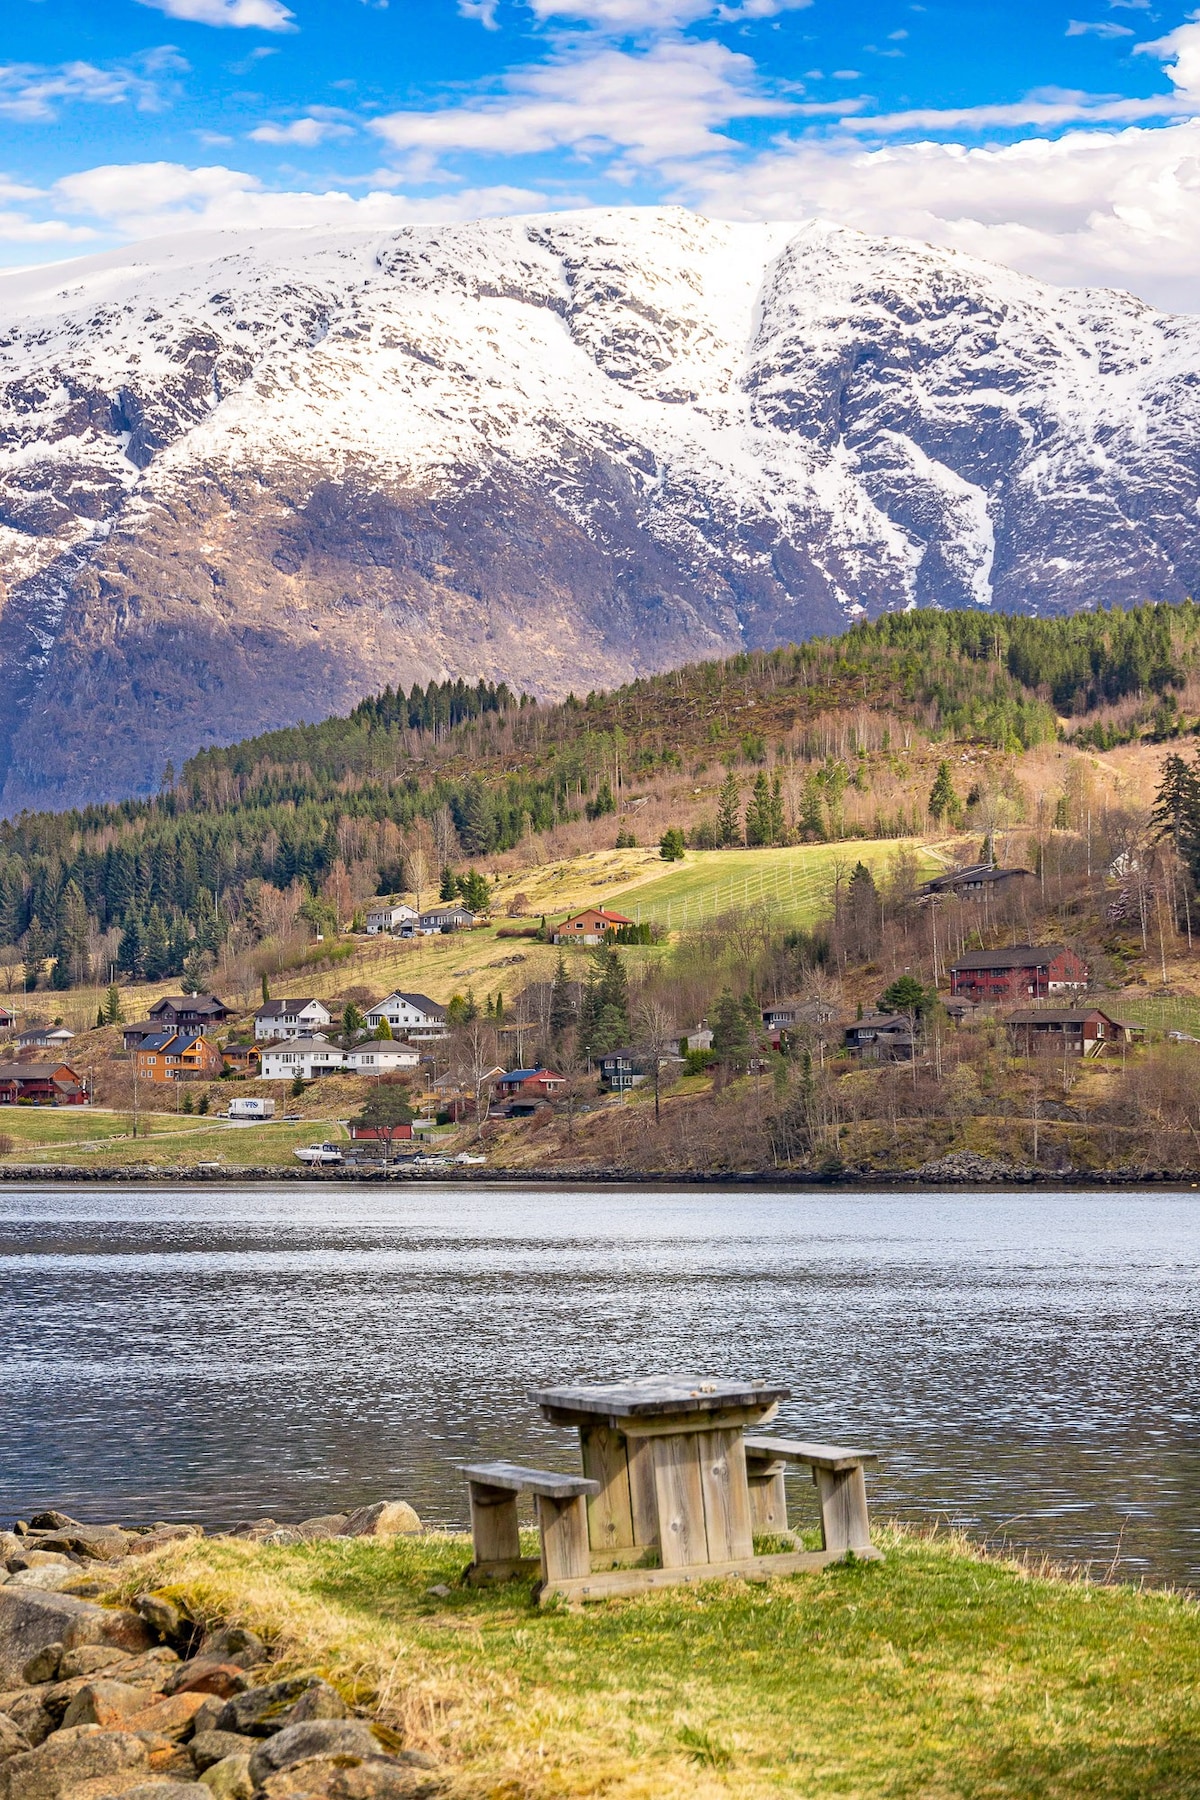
(102, 1701)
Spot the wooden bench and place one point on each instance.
(562, 1522)
(840, 1483)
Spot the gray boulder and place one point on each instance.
(12, 1739)
(48, 1578)
(209, 1747)
(165, 1790)
(262, 1711)
(29, 1713)
(386, 1519)
(345, 1778)
(234, 1644)
(61, 1766)
(31, 1620)
(99, 1543)
(328, 1525)
(316, 1737)
(43, 1665)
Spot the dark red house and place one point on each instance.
(1026, 971)
(45, 1083)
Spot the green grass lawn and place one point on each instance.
(171, 1140)
(1158, 1012)
(935, 1675)
(797, 882)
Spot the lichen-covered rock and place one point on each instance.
(29, 1713)
(328, 1525)
(91, 1659)
(168, 1716)
(229, 1779)
(386, 1519)
(262, 1711)
(71, 1760)
(317, 1737)
(101, 1543)
(43, 1665)
(203, 1676)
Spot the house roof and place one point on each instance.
(1060, 1015)
(881, 1021)
(972, 873)
(531, 1075)
(596, 912)
(276, 1009)
(1019, 956)
(37, 1071)
(46, 1034)
(193, 1003)
(309, 1041)
(421, 1002)
(158, 1040)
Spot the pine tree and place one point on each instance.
(776, 820)
(758, 811)
(729, 806)
(383, 1031)
(562, 1003)
(131, 956)
(943, 801)
(1177, 803)
(449, 886)
(36, 951)
(731, 1034)
(112, 1013)
(157, 946)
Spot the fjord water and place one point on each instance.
(1026, 1364)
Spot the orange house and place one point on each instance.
(177, 1056)
(589, 927)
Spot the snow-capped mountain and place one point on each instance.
(247, 478)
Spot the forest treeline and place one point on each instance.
(324, 813)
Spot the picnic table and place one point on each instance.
(673, 1490)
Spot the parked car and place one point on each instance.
(319, 1153)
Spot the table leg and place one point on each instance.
(643, 1493)
(610, 1512)
(680, 1495)
(726, 1496)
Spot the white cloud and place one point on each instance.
(666, 103)
(1102, 28)
(306, 132)
(655, 15)
(146, 200)
(260, 15)
(1092, 207)
(33, 92)
(483, 10)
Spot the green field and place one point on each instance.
(101, 1139)
(1158, 1012)
(935, 1675)
(797, 883)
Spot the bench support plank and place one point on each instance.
(845, 1524)
(564, 1533)
(768, 1498)
(680, 1495)
(616, 1584)
(494, 1528)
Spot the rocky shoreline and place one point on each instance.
(960, 1169)
(103, 1701)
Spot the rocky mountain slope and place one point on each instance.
(246, 478)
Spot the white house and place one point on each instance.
(412, 1016)
(306, 1057)
(375, 1058)
(44, 1037)
(389, 917)
(290, 1019)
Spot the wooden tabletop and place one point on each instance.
(658, 1396)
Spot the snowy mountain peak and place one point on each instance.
(247, 477)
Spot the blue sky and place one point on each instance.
(1063, 140)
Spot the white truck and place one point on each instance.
(251, 1107)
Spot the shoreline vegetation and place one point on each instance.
(946, 1670)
